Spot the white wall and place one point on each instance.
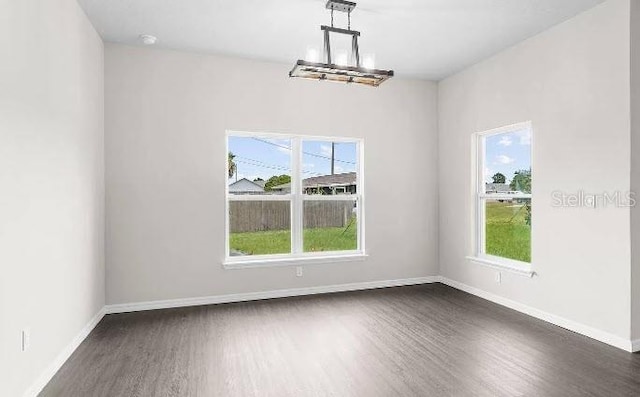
(635, 169)
(51, 183)
(572, 82)
(166, 115)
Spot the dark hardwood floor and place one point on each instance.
(428, 340)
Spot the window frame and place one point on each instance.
(479, 199)
(297, 198)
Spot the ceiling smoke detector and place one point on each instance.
(147, 39)
(344, 69)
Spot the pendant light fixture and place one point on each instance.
(339, 67)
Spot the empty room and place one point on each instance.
(319, 198)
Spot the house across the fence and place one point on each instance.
(496, 188)
(502, 188)
(245, 186)
(324, 184)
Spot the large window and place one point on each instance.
(293, 198)
(503, 196)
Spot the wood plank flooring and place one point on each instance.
(428, 340)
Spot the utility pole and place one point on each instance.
(333, 157)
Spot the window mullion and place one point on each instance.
(296, 202)
(480, 189)
(481, 225)
(359, 196)
(499, 196)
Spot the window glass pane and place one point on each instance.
(507, 162)
(330, 225)
(259, 227)
(508, 228)
(329, 168)
(259, 165)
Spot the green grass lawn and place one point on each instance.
(279, 241)
(507, 234)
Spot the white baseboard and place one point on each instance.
(250, 296)
(64, 355)
(574, 326)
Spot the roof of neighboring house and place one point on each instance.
(497, 187)
(346, 179)
(245, 185)
(261, 183)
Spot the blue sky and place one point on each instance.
(507, 153)
(264, 158)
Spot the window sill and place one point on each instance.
(515, 267)
(292, 261)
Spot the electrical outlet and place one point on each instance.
(299, 271)
(26, 339)
(498, 277)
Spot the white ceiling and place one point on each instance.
(417, 38)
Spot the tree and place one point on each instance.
(521, 181)
(276, 180)
(232, 165)
(499, 178)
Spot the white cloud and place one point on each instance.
(338, 169)
(505, 141)
(524, 136)
(504, 159)
(308, 165)
(488, 172)
(325, 150)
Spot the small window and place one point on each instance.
(293, 197)
(503, 195)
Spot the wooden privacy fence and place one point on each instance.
(257, 216)
(327, 213)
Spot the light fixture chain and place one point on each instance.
(331, 15)
(349, 20)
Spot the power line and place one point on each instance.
(271, 143)
(264, 166)
(307, 153)
(277, 168)
(261, 164)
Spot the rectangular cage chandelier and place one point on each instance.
(354, 72)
